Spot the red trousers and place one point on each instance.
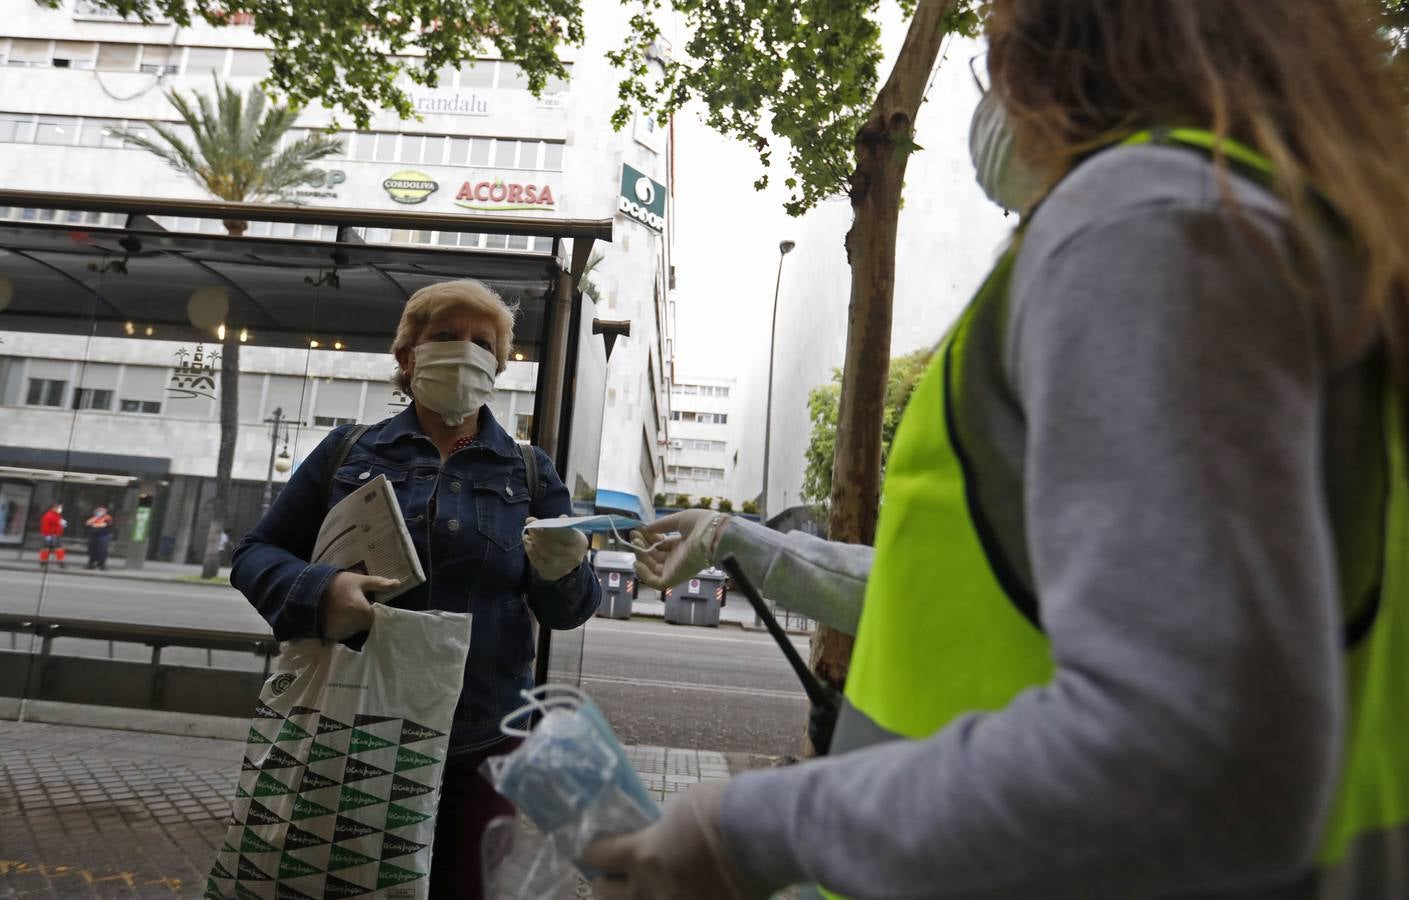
(58, 548)
(468, 803)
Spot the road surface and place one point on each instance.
(719, 689)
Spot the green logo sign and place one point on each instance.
(642, 198)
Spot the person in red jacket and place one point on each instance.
(51, 529)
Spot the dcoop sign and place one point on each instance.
(642, 198)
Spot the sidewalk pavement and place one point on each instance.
(98, 813)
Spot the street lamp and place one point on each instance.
(784, 248)
(282, 462)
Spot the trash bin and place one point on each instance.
(696, 601)
(616, 571)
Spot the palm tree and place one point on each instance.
(588, 286)
(233, 153)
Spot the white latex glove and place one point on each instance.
(671, 560)
(345, 609)
(554, 552)
(681, 857)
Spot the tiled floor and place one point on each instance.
(96, 813)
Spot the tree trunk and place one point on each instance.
(225, 462)
(882, 151)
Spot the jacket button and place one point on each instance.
(454, 487)
(453, 525)
(508, 491)
(364, 476)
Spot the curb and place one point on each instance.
(120, 574)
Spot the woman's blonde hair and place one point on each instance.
(1308, 83)
(435, 299)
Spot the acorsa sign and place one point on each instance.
(500, 195)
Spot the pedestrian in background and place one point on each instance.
(100, 538)
(1135, 621)
(51, 534)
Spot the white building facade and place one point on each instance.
(484, 144)
(706, 436)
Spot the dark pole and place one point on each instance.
(276, 420)
(784, 248)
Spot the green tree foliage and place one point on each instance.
(682, 501)
(803, 72)
(234, 149)
(704, 503)
(659, 500)
(749, 508)
(726, 505)
(905, 372)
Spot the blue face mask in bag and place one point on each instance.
(571, 776)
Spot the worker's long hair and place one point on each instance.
(1308, 83)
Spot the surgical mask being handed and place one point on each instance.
(453, 378)
(1005, 179)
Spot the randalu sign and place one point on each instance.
(642, 198)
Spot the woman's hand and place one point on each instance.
(669, 561)
(345, 609)
(554, 552)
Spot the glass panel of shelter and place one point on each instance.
(110, 398)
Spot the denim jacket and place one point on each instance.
(472, 553)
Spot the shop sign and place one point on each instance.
(642, 198)
(447, 101)
(410, 186)
(498, 195)
(194, 375)
(320, 184)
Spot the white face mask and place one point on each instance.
(453, 378)
(1005, 179)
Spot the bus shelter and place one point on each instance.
(126, 322)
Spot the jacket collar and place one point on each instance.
(490, 435)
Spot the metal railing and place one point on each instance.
(135, 683)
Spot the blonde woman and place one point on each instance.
(463, 487)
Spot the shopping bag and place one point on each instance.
(341, 777)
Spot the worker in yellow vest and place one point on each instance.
(1135, 624)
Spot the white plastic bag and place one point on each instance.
(341, 778)
(572, 780)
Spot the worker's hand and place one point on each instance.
(681, 857)
(345, 609)
(673, 559)
(554, 552)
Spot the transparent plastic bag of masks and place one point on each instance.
(571, 780)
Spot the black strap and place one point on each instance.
(354, 434)
(530, 465)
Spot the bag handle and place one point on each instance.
(530, 465)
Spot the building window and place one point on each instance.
(160, 60)
(205, 61)
(60, 130)
(117, 57)
(249, 64)
(28, 53)
(675, 415)
(332, 421)
(46, 392)
(146, 407)
(92, 398)
(74, 55)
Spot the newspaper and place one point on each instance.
(366, 533)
